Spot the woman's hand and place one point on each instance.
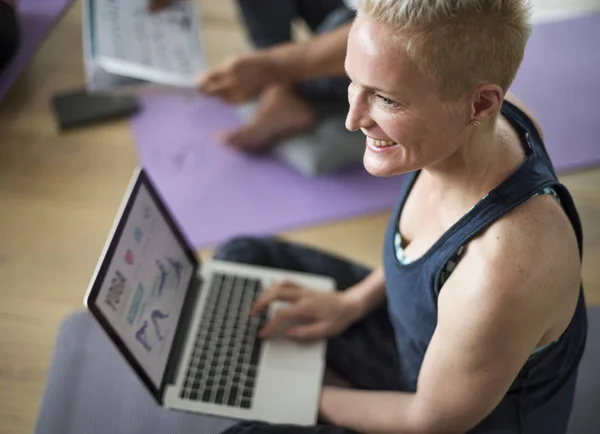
(241, 78)
(314, 315)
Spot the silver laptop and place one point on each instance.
(185, 328)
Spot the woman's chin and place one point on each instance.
(380, 166)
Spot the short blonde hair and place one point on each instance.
(458, 44)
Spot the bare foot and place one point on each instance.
(281, 113)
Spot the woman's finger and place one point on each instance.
(309, 332)
(215, 84)
(278, 292)
(279, 321)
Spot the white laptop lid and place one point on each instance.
(142, 282)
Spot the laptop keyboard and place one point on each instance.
(224, 364)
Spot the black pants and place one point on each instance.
(268, 23)
(9, 34)
(365, 354)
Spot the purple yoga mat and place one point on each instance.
(216, 193)
(37, 18)
(559, 81)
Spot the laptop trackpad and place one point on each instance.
(286, 354)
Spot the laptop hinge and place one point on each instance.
(183, 329)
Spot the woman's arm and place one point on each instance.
(516, 287)
(321, 56)
(245, 76)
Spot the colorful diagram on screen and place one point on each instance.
(150, 307)
(154, 325)
(146, 284)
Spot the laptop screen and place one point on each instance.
(141, 287)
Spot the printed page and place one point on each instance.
(163, 47)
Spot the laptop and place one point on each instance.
(184, 326)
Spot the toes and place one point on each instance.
(244, 138)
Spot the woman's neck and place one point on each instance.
(489, 155)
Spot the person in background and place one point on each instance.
(9, 32)
(291, 80)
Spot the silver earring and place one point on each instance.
(475, 123)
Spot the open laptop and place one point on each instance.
(184, 327)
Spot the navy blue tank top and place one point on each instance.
(543, 390)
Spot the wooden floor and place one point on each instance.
(59, 194)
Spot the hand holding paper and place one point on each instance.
(241, 78)
(158, 5)
(126, 45)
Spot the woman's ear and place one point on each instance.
(486, 103)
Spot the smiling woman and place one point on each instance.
(415, 65)
(9, 32)
(476, 321)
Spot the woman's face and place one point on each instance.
(407, 125)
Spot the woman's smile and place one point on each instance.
(377, 145)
